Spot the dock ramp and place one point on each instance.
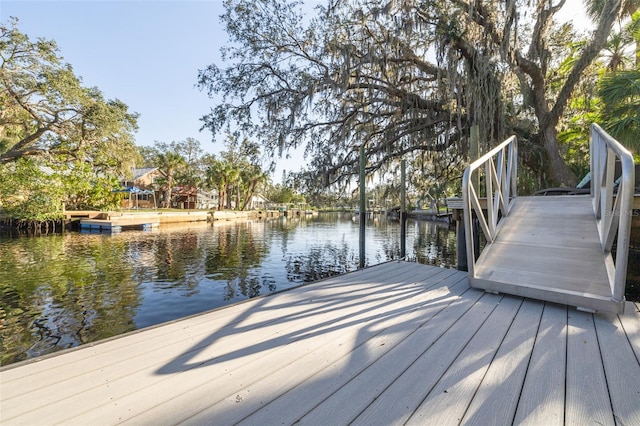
(556, 248)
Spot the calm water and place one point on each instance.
(61, 291)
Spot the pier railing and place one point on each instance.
(493, 176)
(612, 201)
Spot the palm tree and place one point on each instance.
(620, 93)
(619, 88)
(215, 178)
(629, 9)
(253, 177)
(231, 178)
(169, 163)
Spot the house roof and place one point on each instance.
(259, 197)
(184, 190)
(138, 173)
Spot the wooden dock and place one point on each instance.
(392, 344)
(117, 221)
(117, 225)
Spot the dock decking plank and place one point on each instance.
(465, 362)
(542, 397)
(447, 402)
(586, 395)
(460, 318)
(547, 266)
(375, 339)
(621, 367)
(330, 335)
(393, 343)
(296, 402)
(496, 400)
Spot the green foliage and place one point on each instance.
(609, 94)
(583, 110)
(60, 143)
(30, 192)
(620, 93)
(47, 111)
(86, 189)
(364, 74)
(35, 192)
(181, 163)
(169, 163)
(236, 172)
(282, 194)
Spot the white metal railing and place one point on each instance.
(612, 201)
(500, 173)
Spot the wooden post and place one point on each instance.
(363, 205)
(474, 154)
(461, 242)
(403, 209)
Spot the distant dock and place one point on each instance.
(397, 343)
(118, 221)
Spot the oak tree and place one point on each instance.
(401, 78)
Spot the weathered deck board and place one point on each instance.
(294, 403)
(618, 358)
(395, 343)
(549, 248)
(496, 399)
(586, 394)
(542, 396)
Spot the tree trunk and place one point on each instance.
(228, 196)
(248, 196)
(222, 192)
(559, 173)
(166, 202)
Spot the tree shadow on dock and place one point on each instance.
(359, 303)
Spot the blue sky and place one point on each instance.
(145, 53)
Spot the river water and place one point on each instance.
(60, 291)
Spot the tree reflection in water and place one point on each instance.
(60, 291)
(52, 299)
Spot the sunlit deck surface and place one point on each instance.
(391, 344)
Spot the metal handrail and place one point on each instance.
(613, 210)
(500, 185)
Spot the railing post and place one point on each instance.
(499, 199)
(489, 185)
(613, 219)
(403, 209)
(363, 205)
(461, 245)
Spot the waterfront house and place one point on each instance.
(145, 178)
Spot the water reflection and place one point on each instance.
(61, 291)
(58, 292)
